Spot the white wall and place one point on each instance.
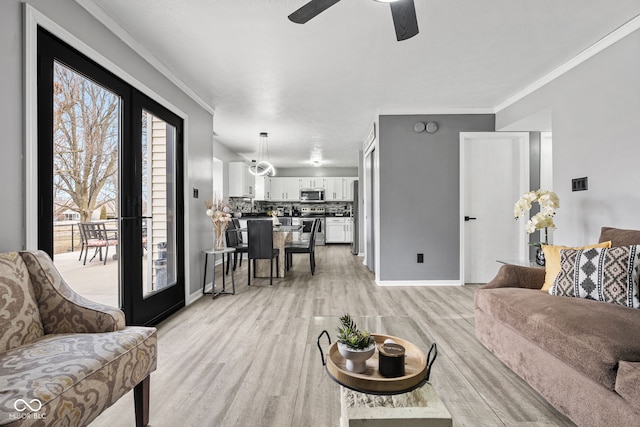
(595, 111)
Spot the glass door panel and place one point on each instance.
(86, 137)
(158, 204)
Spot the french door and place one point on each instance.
(108, 153)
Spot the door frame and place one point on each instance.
(523, 179)
(32, 20)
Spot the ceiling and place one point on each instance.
(316, 88)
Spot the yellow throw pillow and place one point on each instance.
(552, 261)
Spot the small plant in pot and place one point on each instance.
(354, 345)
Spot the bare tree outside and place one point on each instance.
(86, 134)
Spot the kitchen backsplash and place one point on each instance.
(248, 206)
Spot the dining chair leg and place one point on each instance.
(254, 268)
(278, 266)
(249, 273)
(106, 252)
(271, 272)
(228, 262)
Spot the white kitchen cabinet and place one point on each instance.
(263, 188)
(241, 181)
(333, 189)
(285, 189)
(338, 230)
(348, 188)
(308, 183)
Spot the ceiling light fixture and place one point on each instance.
(387, 1)
(263, 165)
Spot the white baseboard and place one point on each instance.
(418, 283)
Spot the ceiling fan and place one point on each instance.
(402, 11)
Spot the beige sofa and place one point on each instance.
(64, 359)
(582, 355)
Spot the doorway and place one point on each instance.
(494, 173)
(110, 158)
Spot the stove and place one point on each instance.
(312, 212)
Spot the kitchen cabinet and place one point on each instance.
(339, 230)
(241, 181)
(285, 189)
(311, 183)
(348, 188)
(333, 189)
(263, 188)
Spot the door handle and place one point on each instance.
(469, 218)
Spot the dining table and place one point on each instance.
(282, 234)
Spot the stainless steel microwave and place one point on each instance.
(312, 195)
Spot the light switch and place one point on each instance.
(579, 184)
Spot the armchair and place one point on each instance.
(64, 359)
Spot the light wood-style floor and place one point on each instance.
(252, 360)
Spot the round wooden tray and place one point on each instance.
(370, 381)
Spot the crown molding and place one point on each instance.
(98, 13)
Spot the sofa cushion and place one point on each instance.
(552, 261)
(74, 376)
(628, 383)
(589, 335)
(602, 274)
(19, 316)
(619, 236)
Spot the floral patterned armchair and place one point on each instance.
(64, 359)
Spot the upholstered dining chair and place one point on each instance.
(304, 248)
(260, 236)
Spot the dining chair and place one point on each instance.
(260, 236)
(303, 248)
(234, 240)
(95, 236)
(285, 221)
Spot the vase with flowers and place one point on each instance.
(220, 214)
(543, 220)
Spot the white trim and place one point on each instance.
(418, 283)
(30, 127)
(608, 40)
(523, 139)
(434, 111)
(101, 16)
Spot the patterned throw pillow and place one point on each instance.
(601, 274)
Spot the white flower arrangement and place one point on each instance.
(548, 201)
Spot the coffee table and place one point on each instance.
(420, 407)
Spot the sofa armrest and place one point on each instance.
(61, 309)
(516, 276)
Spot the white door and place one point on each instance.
(494, 173)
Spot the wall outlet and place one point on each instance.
(579, 184)
(195, 193)
(420, 258)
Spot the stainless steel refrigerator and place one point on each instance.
(356, 219)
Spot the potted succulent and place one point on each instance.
(354, 345)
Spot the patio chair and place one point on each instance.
(94, 235)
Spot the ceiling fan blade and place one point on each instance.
(404, 19)
(311, 10)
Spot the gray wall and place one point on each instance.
(73, 18)
(420, 195)
(319, 172)
(595, 111)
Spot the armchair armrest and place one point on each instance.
(61, 309)
(515, 276)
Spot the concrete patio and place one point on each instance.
(95, 280)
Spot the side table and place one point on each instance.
(215, 252)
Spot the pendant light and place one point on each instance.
(263, 166)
